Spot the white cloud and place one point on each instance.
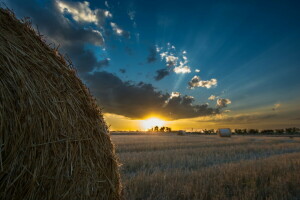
(197, 82)
(223, 102)
(107, 14)
(116, 28)
(212, 97)
(182, 70)
(173, 59)
(81, 12)
(174, 94)
(197, 70)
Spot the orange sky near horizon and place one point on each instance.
(265, 118)
(262, 118)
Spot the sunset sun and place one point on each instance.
(151, 122)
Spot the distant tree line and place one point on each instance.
(161, 129)
(287, 131)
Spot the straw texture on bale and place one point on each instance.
(54, 142)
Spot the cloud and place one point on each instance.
(139, 100)
(173, 95)
(212, 97)
(123, 71)
(182, 70)
(152, 57)
(81, 12)
(221, 103)
(173, 59)
(118, 31)
(161, 73)
(276, 106)
(197, 82)
(197, 70)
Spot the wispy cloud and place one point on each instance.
(118, 31)
(276, 106)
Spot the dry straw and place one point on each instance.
(54, 143)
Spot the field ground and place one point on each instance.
(209, 167)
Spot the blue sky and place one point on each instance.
(248, 54)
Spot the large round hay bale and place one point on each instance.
(54, 143)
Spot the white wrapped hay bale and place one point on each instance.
(224, 132)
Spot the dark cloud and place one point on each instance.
(139, 100)
(161, 73)
(123, 71)
(152, 57)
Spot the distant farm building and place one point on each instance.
(224, 132)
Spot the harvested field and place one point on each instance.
(209, 167)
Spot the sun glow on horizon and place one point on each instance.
(152, 122)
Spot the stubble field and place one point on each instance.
(209, 167)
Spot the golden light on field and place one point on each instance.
(152, 122)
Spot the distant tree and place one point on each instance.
(267, 131)
(156, 128)
(168, 129)
(279, 131)
(162, 129)
(238, 131)
(293, 130)
(253, 131)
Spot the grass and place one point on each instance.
(209, 167)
